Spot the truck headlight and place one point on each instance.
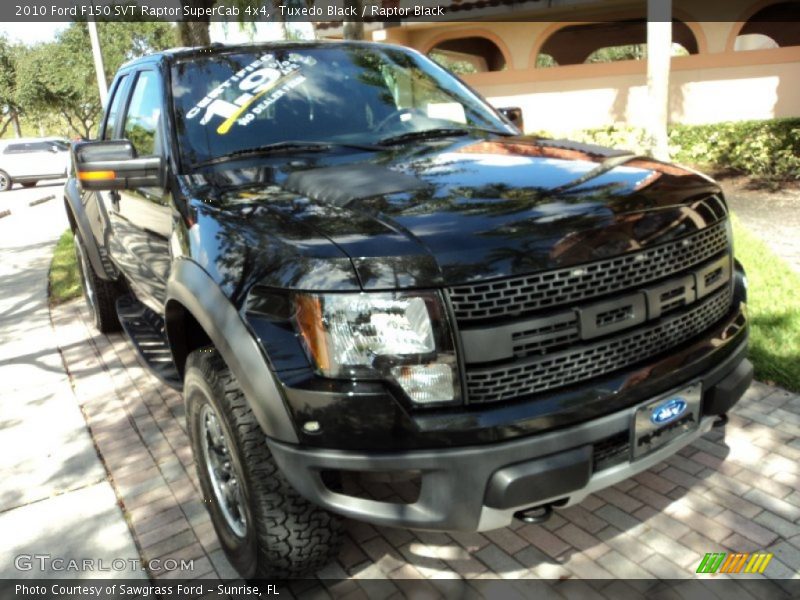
(404, 338)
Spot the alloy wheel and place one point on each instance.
(224, 480)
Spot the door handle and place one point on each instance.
(114, 195)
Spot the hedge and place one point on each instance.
(768, 150)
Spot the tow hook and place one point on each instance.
(537, 514)
(721, 421)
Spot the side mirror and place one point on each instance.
(513, 114)
(113, 165)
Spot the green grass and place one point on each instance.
(773, 307)
(64, 281)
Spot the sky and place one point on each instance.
(31, 33)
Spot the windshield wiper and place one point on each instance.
(438, 132)
(286, 147)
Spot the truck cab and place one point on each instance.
(356, 270)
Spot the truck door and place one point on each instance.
(144, 215)
(100, 206)
(14, 159)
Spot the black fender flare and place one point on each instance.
(192, 287)
(72, 197)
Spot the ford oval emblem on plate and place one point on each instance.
(670, 410)
(660, 421)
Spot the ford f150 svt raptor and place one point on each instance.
(356, 270)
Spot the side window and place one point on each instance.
(14, 149)
(114, 109)
(144, 112)
(411, 89)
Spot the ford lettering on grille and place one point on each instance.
(512, 358)
(615, 315)
(518, 339)
(518, 296)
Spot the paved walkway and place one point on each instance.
(55, 498)
(734, 494)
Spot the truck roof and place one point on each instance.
(26, 140)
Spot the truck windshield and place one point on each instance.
(227, 103)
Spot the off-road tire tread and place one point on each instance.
(295, 537)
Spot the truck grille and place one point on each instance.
(530, 334)
(610, 451)
(495, 384)
(520, 295)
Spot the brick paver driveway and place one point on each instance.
(736, 494)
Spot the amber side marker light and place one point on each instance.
(96, 175)
(309, 320)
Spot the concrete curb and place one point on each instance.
(42, 200)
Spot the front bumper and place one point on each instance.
(479, 488)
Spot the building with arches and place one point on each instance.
(575, 64)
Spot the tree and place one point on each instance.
(53, 77)
(9, 108)
(453, 64)
(353, 30)
(123, 41)
(59, 76)
(195, 33)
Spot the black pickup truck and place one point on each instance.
(382, 302)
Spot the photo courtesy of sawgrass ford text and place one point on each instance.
(143, 590)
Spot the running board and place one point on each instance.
(146, 330)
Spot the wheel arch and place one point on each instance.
(184, 332)
(79, 223)
(196, 314)
(73, 225)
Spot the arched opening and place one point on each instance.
(608, 42)
(774, 26)
(466, 55)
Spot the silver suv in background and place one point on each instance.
(29, 160)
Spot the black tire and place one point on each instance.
(281, 534)
(29, 184)
(5, 182)
(100, 295)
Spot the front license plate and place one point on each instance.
(661, 421)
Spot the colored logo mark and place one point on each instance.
(670, 410)
(734, 562)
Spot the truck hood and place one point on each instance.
(445, 213)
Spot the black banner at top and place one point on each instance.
(376, 11)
